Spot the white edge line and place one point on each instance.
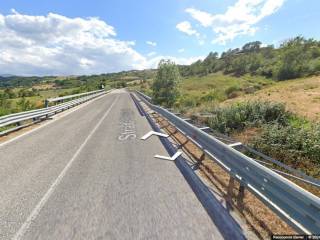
(35, 212)
(49, 122)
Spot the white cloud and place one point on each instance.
(239, 19)
(181, 50)
(186, 28)
(153, 44)
(55, 44)
(204, 18)
(58, 45)
(150, 54)
(153, 63)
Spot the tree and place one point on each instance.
(293, 59)
(165, 85)
(9, 93)
(24, 104)
(251, 46)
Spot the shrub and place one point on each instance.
(186, 101)
(295, 144)
(232, 89)
(238, 116)
(212, 95)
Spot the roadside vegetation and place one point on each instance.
(165, 86)
(272, 130)
(263, 96)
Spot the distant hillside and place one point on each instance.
(297, 57)
(11, 81)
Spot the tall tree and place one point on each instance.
(165, 85)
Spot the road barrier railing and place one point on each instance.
(44, 113)
(298, 207)
(69, 97)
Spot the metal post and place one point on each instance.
(240, 197)
(230, 191)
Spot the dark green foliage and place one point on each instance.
(238, 116)
(165, 85)
(8, 94)
(282, 135)
(16, 81)
(5, 106)
(295, 58)
(28, 93)
(297, 145)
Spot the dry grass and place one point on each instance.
(301, 96)
(44, 86)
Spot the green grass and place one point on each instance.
(55, 92)
(35, 101)
(38, 101)
(214, 88)
(199, 86)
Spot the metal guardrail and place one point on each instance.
(290, 172)
(44, 113)
(298, 207)
(61, 99)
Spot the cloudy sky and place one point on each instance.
(64, 37)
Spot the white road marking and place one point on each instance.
(174, 157)
(25, 226)
(59, 116)
(154, 133)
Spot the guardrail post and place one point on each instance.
(240, 197)
(202, 157)
(230, 191)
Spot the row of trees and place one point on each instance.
(294, 58)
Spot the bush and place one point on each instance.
(295, 144)
(212, 95)
(232, 89)
(241, 115)
(315, 66)
(187, 101)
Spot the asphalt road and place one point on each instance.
(88, 175)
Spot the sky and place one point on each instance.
(75, 37)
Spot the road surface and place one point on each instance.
(88, 175)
